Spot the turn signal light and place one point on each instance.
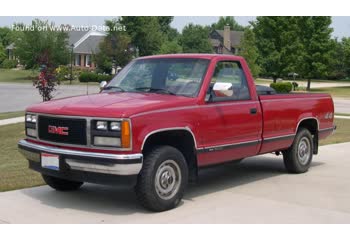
(126, 135)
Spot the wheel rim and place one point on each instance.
(167, 179)
(304, 150)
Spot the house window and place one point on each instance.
(219, 50)
(77, 59)
(88, 61)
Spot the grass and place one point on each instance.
(342, 134)
(342, 114)
(342, 92)
(17, 76)
(11, 115)
(14, 172)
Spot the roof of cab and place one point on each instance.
(191, 55)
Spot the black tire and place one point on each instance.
(163, 167)
(61, 184)
(297, 159)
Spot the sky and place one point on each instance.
(341, 25)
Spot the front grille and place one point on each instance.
(76, 130)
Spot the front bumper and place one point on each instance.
(80, 165)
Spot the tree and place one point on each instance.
(146, 33)
(115, 47)
(316, 46)
(2, 53)
(170, 47)
(195, 39)
(43, 47)
(249, 51)
(278, 45)
(227, 21)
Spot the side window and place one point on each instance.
(229, 82)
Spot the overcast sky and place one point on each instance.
(341, 25)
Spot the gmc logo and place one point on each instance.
(58, 130)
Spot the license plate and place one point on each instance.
(50, 161)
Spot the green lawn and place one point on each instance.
(343, 92)
(14, 172)
(11, 115)
(17, 76)
(342, 134)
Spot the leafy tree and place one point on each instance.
(146, 33)
(115, 46)
(43, 45)
(46, 48)
(2, 53)
(195, 39)
(316, 46)
(249, 51)
(5, 36)
(278, 45)
(170, 47)
(227, 21)
(164, 23)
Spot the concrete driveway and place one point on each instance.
(255, 191)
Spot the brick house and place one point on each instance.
(225, 41)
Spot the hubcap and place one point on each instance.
(167, 179)
(304, 150)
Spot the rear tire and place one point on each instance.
(163, 179)
(61, 184)
(297, 159)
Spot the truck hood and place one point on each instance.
(117, 105)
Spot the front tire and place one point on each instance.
(61, 184)
(297, 159)
(163, 179)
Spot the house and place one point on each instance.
(226, 41)
(83, 43)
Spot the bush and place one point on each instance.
(282, 87)
(94, 77)
(9, 64)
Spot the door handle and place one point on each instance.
(253, 111)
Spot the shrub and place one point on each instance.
(93, 77)
(282, 87)
(9, 64)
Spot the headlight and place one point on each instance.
(115, 126)
(31, 118)
(31, 132)
(101, 125)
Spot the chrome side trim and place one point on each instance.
(226, 146)
(280, 136)
(62, 151)
(169, 129)
(318, 124)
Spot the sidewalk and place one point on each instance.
(11, 120)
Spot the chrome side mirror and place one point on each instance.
(223, 89)
(102, 85)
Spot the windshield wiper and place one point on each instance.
(155, 90)
(114, 87)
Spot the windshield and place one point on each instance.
(174, 76)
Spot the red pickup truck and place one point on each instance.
(162, 118)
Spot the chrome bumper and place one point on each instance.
(117, 164)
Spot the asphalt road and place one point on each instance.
(256, 191)
(17, 96)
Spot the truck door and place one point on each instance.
(231, 120)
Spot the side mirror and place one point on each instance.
(102, 85)
(223, 89)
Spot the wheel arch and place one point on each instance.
(311, 124)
